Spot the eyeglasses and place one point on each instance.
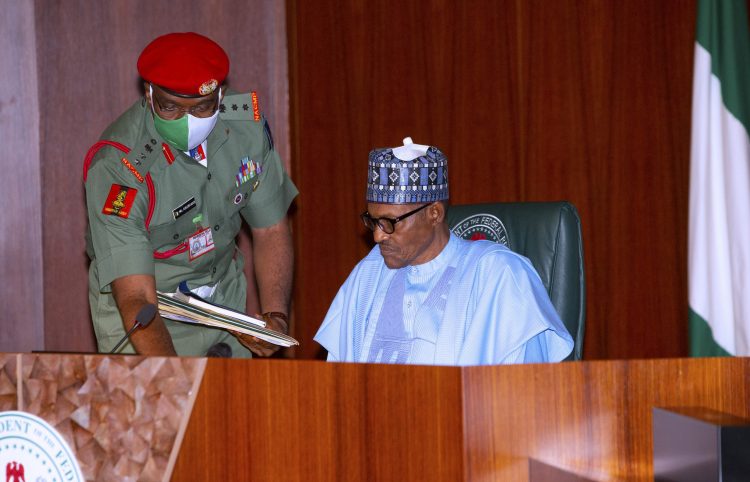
(388, 225)
(174, 111)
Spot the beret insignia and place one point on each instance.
(208, 87)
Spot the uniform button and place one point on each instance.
(245, 195)
(176, 236)
(213, 270)
(216, 228)
(209, 176)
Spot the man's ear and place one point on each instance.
(146, 92)
(436, 213)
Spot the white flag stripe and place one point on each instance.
(719, 233)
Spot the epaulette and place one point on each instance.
(142, 156)
(240, 107)
(138, 160)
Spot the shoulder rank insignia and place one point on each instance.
(140, 159)
(119, 201)
(240, 107)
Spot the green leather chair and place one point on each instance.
(549, 234)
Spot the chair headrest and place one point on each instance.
(482, 226)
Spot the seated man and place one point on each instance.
(425, 296)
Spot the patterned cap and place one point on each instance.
(186, 63)
(413, 173)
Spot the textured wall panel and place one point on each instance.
(123, 416)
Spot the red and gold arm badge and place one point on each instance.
(119, 201)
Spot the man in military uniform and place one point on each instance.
(167, 187)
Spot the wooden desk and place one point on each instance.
(287, 420)
(316, 421)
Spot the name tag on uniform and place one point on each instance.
(200, 243)
(183, 208)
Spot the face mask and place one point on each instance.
(187, 132)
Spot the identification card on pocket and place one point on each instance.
(201, 243)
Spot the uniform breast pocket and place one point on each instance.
(170, 239)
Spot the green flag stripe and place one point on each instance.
(701, 340)
(723, 31)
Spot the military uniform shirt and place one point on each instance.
(244, 178)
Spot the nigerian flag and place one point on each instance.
(719, 225)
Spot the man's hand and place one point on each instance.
(274, 321)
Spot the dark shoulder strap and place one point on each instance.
(137, 160)
(240, 107)
(143, 155)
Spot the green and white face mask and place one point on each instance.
(187, 132)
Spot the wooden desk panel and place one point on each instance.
(308, 421)
(591, 418)
(314, 421)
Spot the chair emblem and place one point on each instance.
(482, 226)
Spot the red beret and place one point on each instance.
(186, 63)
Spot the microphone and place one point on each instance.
(143, 318)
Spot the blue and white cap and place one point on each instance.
(413, 173)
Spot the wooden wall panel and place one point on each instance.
(87, 54)
(22, 316)
(589, 418)
(583, 100)
(587, 101)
